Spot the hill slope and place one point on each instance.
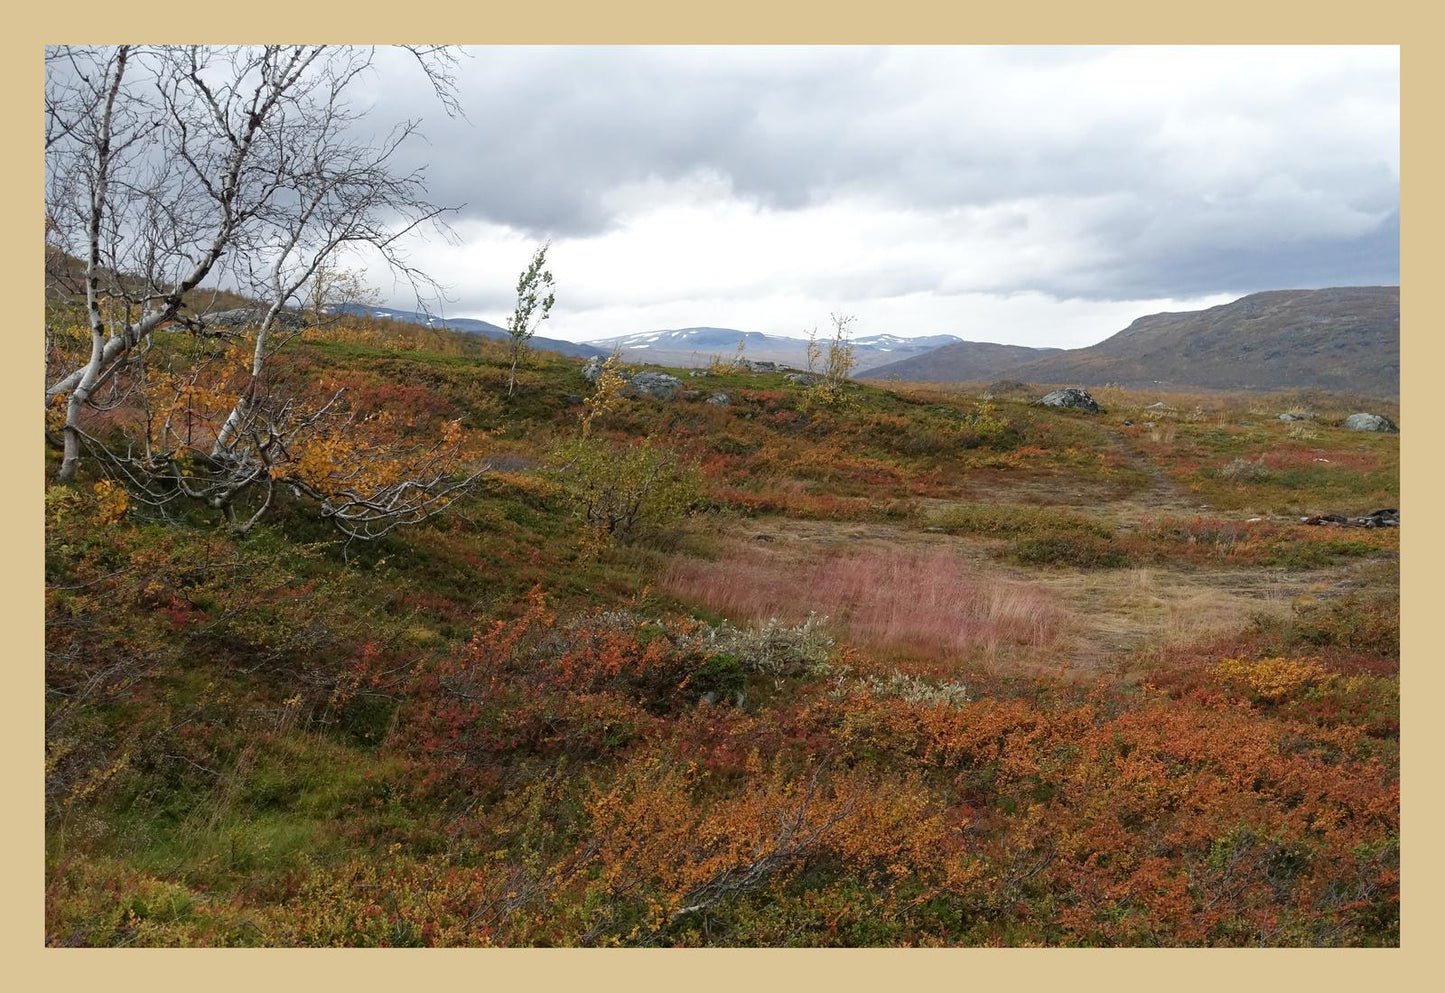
(469, 325)
(960, 362)
(1343, 339)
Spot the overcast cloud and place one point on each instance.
(1032, 196)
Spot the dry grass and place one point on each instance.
(929, 602)
(1163, 434)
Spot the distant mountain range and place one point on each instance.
(696, 347)
(468, 325)
(1344, 339)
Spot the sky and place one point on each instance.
(1033, 196)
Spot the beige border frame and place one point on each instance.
(741, 21)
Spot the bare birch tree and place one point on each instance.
(169, 166)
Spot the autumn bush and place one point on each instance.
(624, 492)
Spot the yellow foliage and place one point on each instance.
(1272, 679)
(606, 396)
(112, 502)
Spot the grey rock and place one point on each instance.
(1290, 417)
(719, 399)
(1161, 405)
(592, 371)
(1371, 422)
(242, 317)
(1388, 518)
(801, 379)
(658, 385)
(1071, 397)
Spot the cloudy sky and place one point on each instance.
(1024, 195)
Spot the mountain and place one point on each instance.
(697, 346)
(1344, 339)
(960, 362)
(468, 325)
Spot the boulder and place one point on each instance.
(658, 385)
(592, 371)
(801, 379)
(1371, 422)
(1072, 397)
(250, 317)
(719, 399)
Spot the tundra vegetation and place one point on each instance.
(913, 669)
(903, 666)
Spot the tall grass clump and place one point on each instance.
(930, 603)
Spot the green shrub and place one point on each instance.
(624, 492)
(1360, 622)
(1083, 550)
(722, 675)
(1008, 520)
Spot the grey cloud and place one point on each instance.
(552, 131)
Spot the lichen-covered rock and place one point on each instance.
(592, 371)
(1071, 397)
(250, 317)
(719, 399)
(1371, 422)
(801, 379)
(658, 385)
